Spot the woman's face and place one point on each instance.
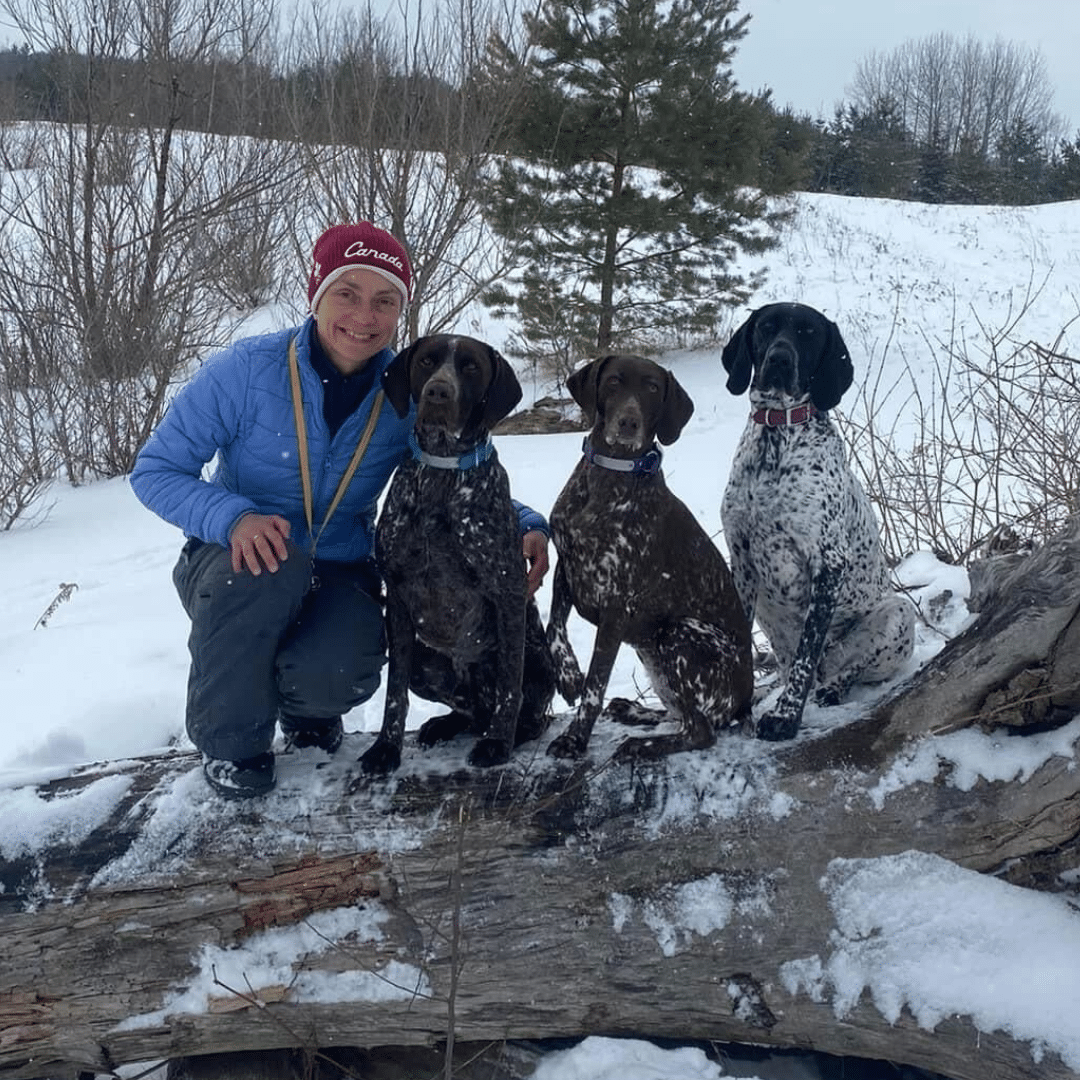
(356, 317)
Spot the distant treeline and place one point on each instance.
(871, 147)
(871, 153)
(223, 97)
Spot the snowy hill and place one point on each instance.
(104, 676)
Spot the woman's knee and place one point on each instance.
(209, 587)
(326, 684)
(333, 659)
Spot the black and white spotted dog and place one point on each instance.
(801, 534)
(460, 629)
(635, 562)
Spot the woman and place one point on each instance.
(277, 574)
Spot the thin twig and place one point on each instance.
(66, 589)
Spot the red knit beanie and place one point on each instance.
(345, 247)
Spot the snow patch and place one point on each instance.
(679, 913)
(972, 755)
(269, 961)
(922, 934)
(29, 823)
(598, 1058)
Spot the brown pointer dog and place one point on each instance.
(637, 564)
(460, 630)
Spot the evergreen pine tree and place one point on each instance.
(1023, 165)
(1064, 179)
(935, 171)
(633, 181)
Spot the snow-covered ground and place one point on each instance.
(104, 676)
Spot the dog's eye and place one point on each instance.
(652, 386)
(807, 331)
(470, 367)
(612, 381)
(425, 361)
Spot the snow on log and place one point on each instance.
(813, 894)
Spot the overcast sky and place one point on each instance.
(806, 51)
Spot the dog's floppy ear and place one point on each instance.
(396, 379)
(503, 392)
(737, 358)
(835, 373)
(583, 383)
(678, 408)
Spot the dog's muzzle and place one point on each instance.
(624, 424)
(439, 402)
(779, 367)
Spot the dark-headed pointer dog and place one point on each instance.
(460, 630)
(636, 563)
(801, 534)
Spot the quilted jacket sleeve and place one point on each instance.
(529, 519)
(204, 417)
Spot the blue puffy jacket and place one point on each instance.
(238, 406)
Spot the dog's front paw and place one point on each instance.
(567, 746)
(381, 758)
(633, 713)
(635, 751)
(441, 729)
(777, 727)
(489, 752)
(827, 696)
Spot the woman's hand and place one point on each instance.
(535, 545)
(258, 540)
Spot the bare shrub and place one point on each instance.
(250, 187)
(395, 129)
(979, 445)
(28, 463)
(112, 275)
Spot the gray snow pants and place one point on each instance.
(274, 644)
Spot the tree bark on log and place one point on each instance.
(528, 902)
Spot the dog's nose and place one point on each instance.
(629, 425)
(439, 391)
(780, 351)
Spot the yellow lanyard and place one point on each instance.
(301, 439)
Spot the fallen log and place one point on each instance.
(687, 900)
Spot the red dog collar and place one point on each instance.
(800, 414)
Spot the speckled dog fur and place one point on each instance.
(802, 537)
(459, 628)
(634, 561)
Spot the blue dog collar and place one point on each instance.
(646, 465)
(470, 459)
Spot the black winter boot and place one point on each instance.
(240, 779)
